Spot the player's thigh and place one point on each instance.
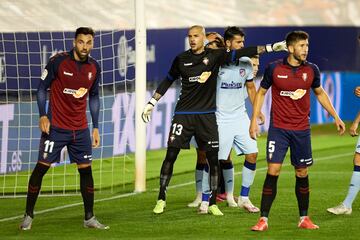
(243, 143)
(206, 132)
(181, 130)
(51, 144)
(300, 148)
(277, 145)
(226, 139)
(80, 149)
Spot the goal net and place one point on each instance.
(23, 56)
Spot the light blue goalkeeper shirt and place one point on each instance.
(231, 90)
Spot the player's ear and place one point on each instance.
(74, 43)
(228, 43)
(290, 48)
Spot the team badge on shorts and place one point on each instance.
(172, 138)
(45, 155)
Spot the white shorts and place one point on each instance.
(235, 134)
(357, 149)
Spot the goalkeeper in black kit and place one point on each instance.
(195, 110)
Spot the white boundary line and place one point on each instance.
(136, 193)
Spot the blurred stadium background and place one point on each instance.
(31, 31)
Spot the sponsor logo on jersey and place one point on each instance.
(231, 85)
(201, 79)
(188, 64)
(44, 74)
(294, 95)
(304, 76)
(90, 75)
(205, 60)
(68, 73)
(242, 72)
(76, 93)
(282, 76)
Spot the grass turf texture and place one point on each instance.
(131, 217)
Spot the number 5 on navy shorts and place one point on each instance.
(299, 141)
(78, 143)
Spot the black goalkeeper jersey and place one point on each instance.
(196, 97)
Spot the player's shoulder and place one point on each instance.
(94, 62)
(60, 56)
(312, 65)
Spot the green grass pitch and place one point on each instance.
(130, 215)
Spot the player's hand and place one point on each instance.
(340, 125)
(44, 124)
(95, 138)
(261, 119)
(357, 91)
(353, 129)
(254, 130)
(146, 115)
(277, 47)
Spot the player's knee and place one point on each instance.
(171, 154)
(301, 172)
(85, 170)
(226, 164)
(251, 158)
(274, 169)
(201, 156)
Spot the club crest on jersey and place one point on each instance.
(90, 75)
(242, 72)
(304, 76)
(206, 61)
(76, 93)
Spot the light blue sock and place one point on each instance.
(205, 181)
(198, 180)
(248, 175)
(353, 189)
(229, 180)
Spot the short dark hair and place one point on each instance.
(231, 32)
(85, 31)
(295, 36)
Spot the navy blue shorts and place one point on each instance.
(299, 141)
(78, 144)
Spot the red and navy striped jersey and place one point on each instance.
(290, 93)
(70, 83)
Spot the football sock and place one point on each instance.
(353, 188)
(87, 190)
(268, 194)
(302, 194)
(205, 181)
(228, 173)
(34, 187)
(248, 175)
(199, 176)
(167, 170)
(212, 157)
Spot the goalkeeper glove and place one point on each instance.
(146, 115)
(276, 47)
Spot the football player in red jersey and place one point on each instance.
(291, 79)
(72, 77)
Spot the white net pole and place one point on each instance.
(140, 93)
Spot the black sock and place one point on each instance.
(302, 194)
(34, 187)
(87, 191)
(167, 170)
(212, 157)
(268, 194)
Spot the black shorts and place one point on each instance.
(202, 126)
(78, 143)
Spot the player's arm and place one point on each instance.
(173, 74)
(251, 51)
(41, 95)
(94, 107)
(325, 102)
(357, 91)
(251, 90)
(259, 100)
(355, 125)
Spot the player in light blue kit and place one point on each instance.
(234, 85)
